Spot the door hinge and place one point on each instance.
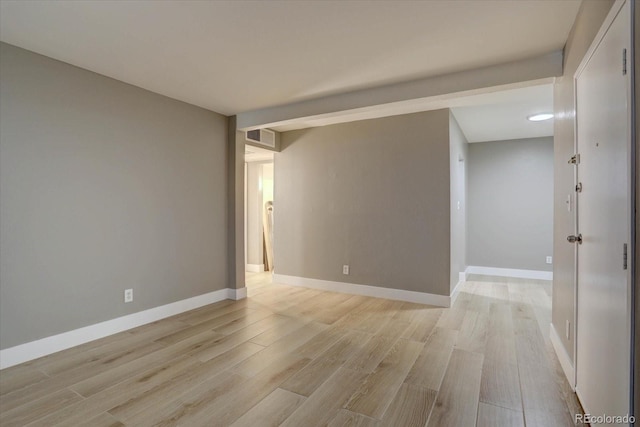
(624, 62)
(579, 187)
(624, 257)
(575, 159)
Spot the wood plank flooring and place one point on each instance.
(301, 357)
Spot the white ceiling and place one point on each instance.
(503, 115)
(237, 56)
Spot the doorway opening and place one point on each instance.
(259, 213)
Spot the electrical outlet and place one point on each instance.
(128, 295)
(568, 328)
(345, 269)
(549, 260)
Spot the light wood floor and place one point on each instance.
(300, 357)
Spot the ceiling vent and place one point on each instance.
(262, 136)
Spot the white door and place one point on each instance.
(603, 313)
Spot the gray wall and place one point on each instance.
(235, 206)
(458, 150)
(588, 21)
(511, 204)
(103, 186)
(373, 194)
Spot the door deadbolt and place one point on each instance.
(575, 239)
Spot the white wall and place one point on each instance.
(267, 183)
(254, 219)
(259, 190)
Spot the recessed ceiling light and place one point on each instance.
(540, 117)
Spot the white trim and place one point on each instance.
(510, 272)
(462, 277)
(563, 356)
(45, 346)
(254, 268)
(236, 294)
(455, 292)
(366, 290)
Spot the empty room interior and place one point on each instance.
(318, 213)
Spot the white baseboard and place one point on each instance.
(563, 356)
(455, 292)
(510, 272)
(236, 294)
(254, 268)
(45, 346)
(366, 290)
(462, 277)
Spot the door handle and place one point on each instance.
(575, 239)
